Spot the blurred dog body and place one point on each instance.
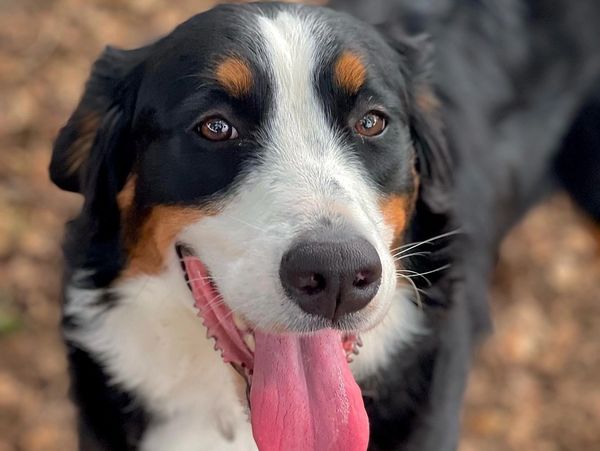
(212, 157)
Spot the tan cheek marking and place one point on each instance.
(350, 72)
(396, 210)
(79, 152)
(235, 76)
(147, 246)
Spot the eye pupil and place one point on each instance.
(216, 129)
(369, 121)
(371, 124)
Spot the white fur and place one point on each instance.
(306, 175)
(403, 323)
(153, 344)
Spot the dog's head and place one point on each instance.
(280, 155)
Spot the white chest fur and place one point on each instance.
(153, 344)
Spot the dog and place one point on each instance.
(291, 216)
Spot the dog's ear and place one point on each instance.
(424, 112)
(93, 155)
(434, 162)
(434, 212)
(89, 148)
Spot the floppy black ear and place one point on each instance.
(433, 157)
(434, 209)
(93, 155)
(92, 140)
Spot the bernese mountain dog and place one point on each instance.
(291, 216)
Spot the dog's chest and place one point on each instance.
(156, 348)
(153, 344)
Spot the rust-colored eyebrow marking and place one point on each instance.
(350, 72)
(235, 76)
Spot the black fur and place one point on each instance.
(109, 418)
(577, 164)
(515, 82)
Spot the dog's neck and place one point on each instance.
(152, 344)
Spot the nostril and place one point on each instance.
(309, 283)
(362, 279)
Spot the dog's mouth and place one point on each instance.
(301, 393)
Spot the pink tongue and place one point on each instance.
(303, 396)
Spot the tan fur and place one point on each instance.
(80, 150)
(349, 72)
(235, 76)
(148, 244)
(126, 195)
(148, 237)
(396, 211)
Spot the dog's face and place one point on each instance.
(265, 151)
(287, 137)
(257, 130)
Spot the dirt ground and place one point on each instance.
(535, 383)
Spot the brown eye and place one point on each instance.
(216, 129)
(371, 124)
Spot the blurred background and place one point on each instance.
(535, 385)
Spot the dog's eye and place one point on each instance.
(371, 124)
(216, 129)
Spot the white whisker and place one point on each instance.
(408, 246)
(402, 272)
(441, 268)
(414, 254)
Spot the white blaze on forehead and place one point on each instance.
(293, 53)
(297, 128)
(304, 157)
(316, 174)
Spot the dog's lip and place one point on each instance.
(184, 251)
(351, 342)
(233, 337)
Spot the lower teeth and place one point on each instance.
(249, 340)
(239, 323)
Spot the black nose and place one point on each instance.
(331, 277)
